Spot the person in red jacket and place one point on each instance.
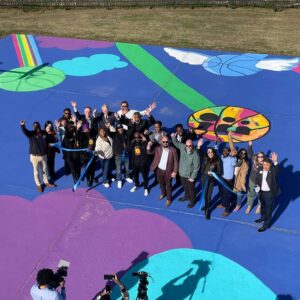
(165, 166)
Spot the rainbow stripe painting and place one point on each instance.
(26, 50)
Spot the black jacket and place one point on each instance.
(100, 120)
(271, 180)
(84, 119)
(143, 125)
(38, 142)
(187, 135)
(120, 142)
(139, 156)
(71, 141)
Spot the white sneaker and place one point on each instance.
(129, 180)
(146, 192)
(106, 185)
(113, 179)
(132, 190)
(119, 184)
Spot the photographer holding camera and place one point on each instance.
(105, 293)
(46, 286)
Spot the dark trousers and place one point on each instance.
(267, 200)
(226, 196)
(189, 189)
(75, 166)
(136, 173)
(209, 189)
(165, 183)
(66, 164)
(90, 172)
(50, 163)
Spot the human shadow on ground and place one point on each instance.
(187, 288)
(285, 297)
(289, 180)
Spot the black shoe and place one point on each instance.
(262, 229)
(203, 208)
(260, 220)
(191, 204)
(182, 199)
(207, 215)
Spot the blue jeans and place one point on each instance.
(118, 162)
(105, 165)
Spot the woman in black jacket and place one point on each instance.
(210, 163)
(51, 139)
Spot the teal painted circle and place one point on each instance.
(181, 274)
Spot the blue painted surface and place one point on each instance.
(272, 256)
(196, 274)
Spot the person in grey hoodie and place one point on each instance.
(189, 165)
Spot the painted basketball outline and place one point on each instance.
(191, 119)
(30, 79)
(209, 63)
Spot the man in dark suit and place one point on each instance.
(165, 165)
(268, 187)
(86, 118)
(102, 119)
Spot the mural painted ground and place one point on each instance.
(111, 230)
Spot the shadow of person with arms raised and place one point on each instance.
(186, 290)
(284, 297)
(290, 189)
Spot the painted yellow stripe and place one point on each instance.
(27, 51)
(21, 47)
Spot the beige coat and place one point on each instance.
(240, 178)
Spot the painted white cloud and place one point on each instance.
(191, 58)
(278, 64)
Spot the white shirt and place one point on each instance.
(164, 159)
(46, 294)
(104, 147)
(264, 184)
(130, 113)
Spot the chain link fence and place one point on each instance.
(275, 4)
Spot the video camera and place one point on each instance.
(60, 274)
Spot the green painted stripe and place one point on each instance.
(23, 53)
(158, 73)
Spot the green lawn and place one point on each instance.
(242, 29)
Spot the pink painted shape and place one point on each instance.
(70, 44)
(81, 228)
(18, 51)
(297, 69)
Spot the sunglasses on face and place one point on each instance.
(124, 106)
(189, 146)
(165, 142)
(67, 113)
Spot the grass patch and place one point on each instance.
(241, 29)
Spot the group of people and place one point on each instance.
(127, 140)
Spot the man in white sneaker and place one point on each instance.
(120, 153)
(139, 159)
